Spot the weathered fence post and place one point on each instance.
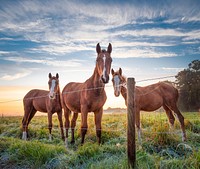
(131, 147)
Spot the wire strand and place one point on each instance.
(157, 78)
(87, 89)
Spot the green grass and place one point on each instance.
(161, 146)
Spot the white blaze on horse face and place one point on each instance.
(104, 67)
(51, 93)
(116, 85)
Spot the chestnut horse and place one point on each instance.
(43, 101)
(150, 98)
(89, 96)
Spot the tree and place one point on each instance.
(188, 83)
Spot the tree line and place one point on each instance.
(188, 83)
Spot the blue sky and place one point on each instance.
(149, 39)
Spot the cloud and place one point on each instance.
(193, 35)
(65, 27)
(6, 39)
(142, 53)
(8, 77)
(56, 18)
(4, 52)
(170, 69)
(47, 61)
(161, 32)
(61, 49)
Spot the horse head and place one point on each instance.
(53, 85)
(103, 62)
(118, 81)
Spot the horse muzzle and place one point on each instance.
(105, 79)
(117, 93)
(52, 96)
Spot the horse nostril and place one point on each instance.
(51, 96)
(105, 79)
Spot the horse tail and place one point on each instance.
(176, 94)
(66, 109)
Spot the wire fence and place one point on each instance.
(96, 88)
(87, 89)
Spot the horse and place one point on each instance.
(43, 101)
(88, 96)
(150, 98)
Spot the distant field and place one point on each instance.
(161, 146)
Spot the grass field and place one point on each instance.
(161, 146)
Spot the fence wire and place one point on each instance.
(86, 89)
(96, 88)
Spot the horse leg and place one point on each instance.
(73, 125)
(27, 113)
(169, 115)
(61, 124)
(67, 113)
(50, 125)
(32, 114)
(84, 125)
(97, 119)
(25, 126)
(137, 123)
(181, 120)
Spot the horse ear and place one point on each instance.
(112, 71)
(50, 76)
(57, 75)
(109, 50)
(98, 48)
(120, 71)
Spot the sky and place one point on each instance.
(149, 39)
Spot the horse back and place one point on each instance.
(77, 94)
(153, 96)
(37, 99)
(163, 89)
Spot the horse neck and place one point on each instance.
(58, 95)
(95, 83)
(124, 92)
(95, 79)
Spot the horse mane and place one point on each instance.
(124, 78)
(168, 83)
(104, 51)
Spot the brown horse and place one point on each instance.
(43, 101)
(89, 96)
(150, 98)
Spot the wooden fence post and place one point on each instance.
(131, 147)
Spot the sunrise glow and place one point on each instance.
(149, 40)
